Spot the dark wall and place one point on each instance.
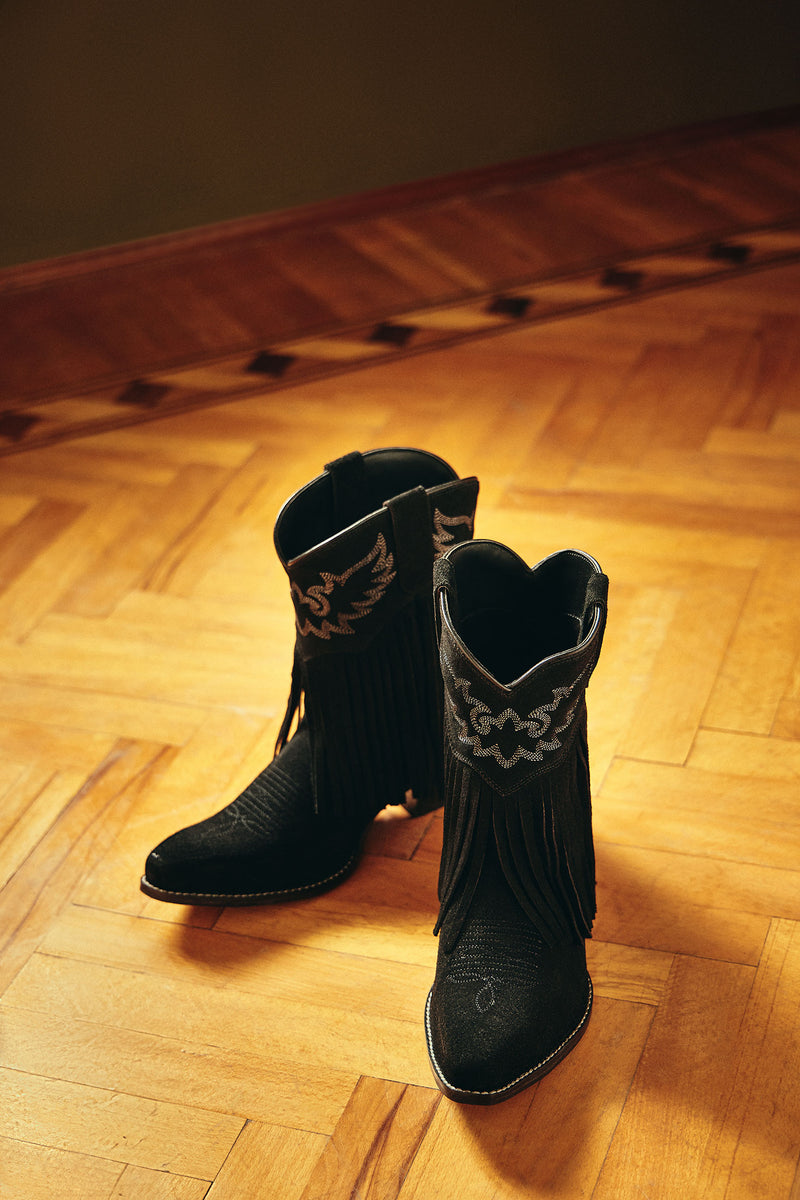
(125, 118)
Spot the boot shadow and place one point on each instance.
(536, 1140)
(265, 931)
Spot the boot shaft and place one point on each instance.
(517, 647)
(359, 540)
(358, 544)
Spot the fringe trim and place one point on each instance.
(375, 717)
(543, 836)
(293, 705)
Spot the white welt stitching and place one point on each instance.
(306, 887)
(524, 1075)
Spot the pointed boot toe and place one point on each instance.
(504, 1008)
(482, 1056)
(269, 845)
(202, 866)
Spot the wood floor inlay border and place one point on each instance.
(265, 369)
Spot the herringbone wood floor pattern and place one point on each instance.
(149, 1050)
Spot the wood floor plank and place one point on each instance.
(37, 526)
(136, 1181)
(113, 1125)
(755, 443)
(15, 508)
(745, 754)
(757, 1150)
(144, 664)
(45, 881)
(621, 972)
(327, 1030)
(53, 747)
(30, 595)
(786, 423)
(28, 1171)
(644, 546)
(374, 1143)
(187, 557)
(663, 807)
(685, 903)
(666, 401)
(38, 812)
(268, 1160)
(50, 706)
(574, 425)
(682, 1088)
(635, 634)
(385, 910)
(16, 774)
(664, 725)
(172, 1069)
(787, 718)
(260, 966)
(382, 241)
(150, 532)
(755, 672)
(395, 834)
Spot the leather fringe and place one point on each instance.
(365, 710)
(543, 836)
(293, 705)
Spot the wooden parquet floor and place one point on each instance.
(149, 1050)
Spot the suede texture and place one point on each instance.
(358, 545)
(502, 1003)
(512, 994)
(267, 844)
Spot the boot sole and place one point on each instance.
(241, 900)
(414, 807)
(526, 1080)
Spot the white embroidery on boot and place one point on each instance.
(482, 721)
(442, 537)
(318, 597)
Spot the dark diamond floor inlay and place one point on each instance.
(393, 335)
(509, 306)
(275, 365)
(14, 425)
(732, 252)
(626, 281)
(143, 394)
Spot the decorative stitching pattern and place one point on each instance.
(442, 537)
(320, 598)
(534, 726)
(521, 1081)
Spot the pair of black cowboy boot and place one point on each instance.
(362, 545)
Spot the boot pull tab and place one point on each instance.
(596, 597)
(411, 525)
(348, 483)
(444, 580)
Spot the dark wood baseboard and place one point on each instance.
(384, 201)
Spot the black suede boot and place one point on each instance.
(358, 544)
(512, 994)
